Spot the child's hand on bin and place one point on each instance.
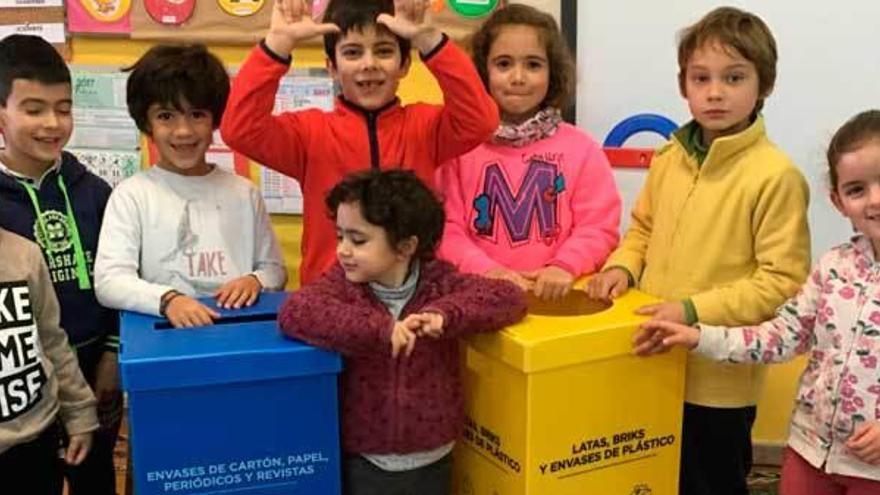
(550, 283)
(657, 336)
(184, 311)
(511, 276)
(242, 291)
(610, 284)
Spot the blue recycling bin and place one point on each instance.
(231, 408)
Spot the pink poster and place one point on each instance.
(99, 16)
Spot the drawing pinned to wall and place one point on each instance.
(99, 16)
(632, 157)
(241, 8)
(170, 12)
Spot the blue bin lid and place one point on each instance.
(244, 345)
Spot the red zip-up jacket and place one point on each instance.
(408, 404)
(319, 148)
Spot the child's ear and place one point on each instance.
(331, 67)
(835, 199)
(404, 67)
(408, 246)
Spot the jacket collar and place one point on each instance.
(724, 148)
(350, 107)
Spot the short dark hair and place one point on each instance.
(24, 56)
(561, 86)
(174, 74)
(855, 133)
(733, 29)
(397, 201)
(356, 15)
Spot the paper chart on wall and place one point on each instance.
(12, 4)
(105, 138)
(110, 165)
(52, 32)
(100, 115)
(281, 193)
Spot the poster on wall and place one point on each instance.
(99, 16)
(296, 92)
(105, 138)
(246, 21)
(44, 18)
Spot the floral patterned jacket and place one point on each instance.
(836, 318)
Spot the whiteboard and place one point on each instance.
(829, 69)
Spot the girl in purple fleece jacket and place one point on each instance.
(394, 312)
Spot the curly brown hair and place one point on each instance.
(397, 201)
(562, 65)
(733, 29)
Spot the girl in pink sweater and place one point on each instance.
(537, 205)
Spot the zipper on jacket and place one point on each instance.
(372, 131)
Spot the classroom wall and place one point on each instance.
(419, 85)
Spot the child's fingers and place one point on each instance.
(77, 449)
(618, 289)
(649, 310)
(865, 436)
(649, 341)
(410, 344)
(326, 28)
(643, 335)
(244, 294)
(858, 438)
(252, 298)
(229, 297)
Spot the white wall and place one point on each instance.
(829, 69)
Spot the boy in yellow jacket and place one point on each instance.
(719, 232)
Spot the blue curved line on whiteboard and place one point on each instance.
(643, 122)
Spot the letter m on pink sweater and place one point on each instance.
(535, 199)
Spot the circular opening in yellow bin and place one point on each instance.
(575, 303)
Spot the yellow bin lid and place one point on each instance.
(572, 331)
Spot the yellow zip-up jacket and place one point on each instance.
(731, 235)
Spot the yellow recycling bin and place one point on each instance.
(559, 405)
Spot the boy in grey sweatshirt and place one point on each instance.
(40, 381)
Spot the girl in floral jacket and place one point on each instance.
(834, 443)
(394, 313)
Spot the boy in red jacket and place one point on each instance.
(394, 312)
(368, 44)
